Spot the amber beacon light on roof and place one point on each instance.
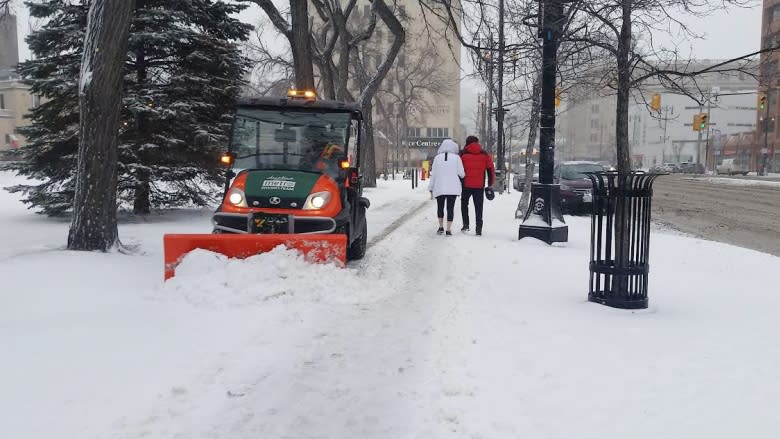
(309, 95)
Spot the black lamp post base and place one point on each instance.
(544, 220)
(545, 234)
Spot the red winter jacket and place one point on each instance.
(476, 162)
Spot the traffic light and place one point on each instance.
(655, 102)
(557, 97)
(703, 120)
(697, 121)
(761, 102)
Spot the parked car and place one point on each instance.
(608, 166)
(670, 168)
(691, 168)
(576, 187)
(731, 167)
(518, 179)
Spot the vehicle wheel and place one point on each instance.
(358, 248)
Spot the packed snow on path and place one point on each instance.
(427, 337)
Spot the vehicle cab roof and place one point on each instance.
(302, 104)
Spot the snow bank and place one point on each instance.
(736, 181)
(210, 279)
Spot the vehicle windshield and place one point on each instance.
(308, 140)
(577, 171)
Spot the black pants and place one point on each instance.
(479, 199)
(450, 206)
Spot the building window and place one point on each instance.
(438, 132)
(36, 101)
(413, 132)
(366, 10)
(2, 102)
(594, 108)
(594, 123)
(7, 138)
(401, 60)
(594, 138)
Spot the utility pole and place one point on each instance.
(489, 71)
(545, 204)
(500, 98)
(666, 110)
(397, 141)
(698, 139)
(765, 150)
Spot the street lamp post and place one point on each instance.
(545, 203)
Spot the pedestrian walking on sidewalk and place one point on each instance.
(444, 184)
(477, 164)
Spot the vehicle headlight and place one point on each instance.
(236, 197)
(565, 187)
(317, 200)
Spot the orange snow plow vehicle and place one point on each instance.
(292, 179)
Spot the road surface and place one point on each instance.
(743, 215)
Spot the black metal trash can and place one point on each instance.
(620, 238)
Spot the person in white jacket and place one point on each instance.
(445, 182)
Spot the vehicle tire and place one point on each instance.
(357, 250)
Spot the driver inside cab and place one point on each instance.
(325, 153)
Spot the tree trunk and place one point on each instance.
(622, 203)
(368, 160)
(94, 225)
(300, 42)
(372, 86)
(623, 90)
(533, 127)
(141, 202)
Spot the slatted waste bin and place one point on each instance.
(620, 238)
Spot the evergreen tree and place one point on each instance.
(183, 73)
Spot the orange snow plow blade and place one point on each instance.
(315, 248)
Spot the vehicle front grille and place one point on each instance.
(238, 223)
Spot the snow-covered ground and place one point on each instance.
(427, 337)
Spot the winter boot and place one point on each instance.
(479, 229)
(448, 233)
(440, 231)
(465, 228)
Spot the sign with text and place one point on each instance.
(422, 142)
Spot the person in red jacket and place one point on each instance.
(477, 163)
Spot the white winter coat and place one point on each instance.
(447, 170)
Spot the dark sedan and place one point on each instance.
(576, 188)
(518, 180)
